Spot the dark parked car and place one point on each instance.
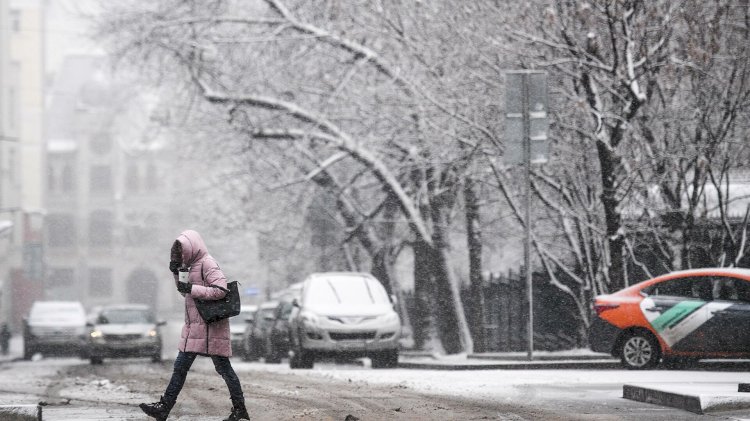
(54, 328)
(277, 339)
(678, 317)
(254, 338)
(123, 331)
(237, 326)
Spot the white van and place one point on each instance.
(344, 314)
(55, 327)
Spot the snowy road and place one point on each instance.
(73, 388)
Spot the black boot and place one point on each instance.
(238, 412)
(158, 410)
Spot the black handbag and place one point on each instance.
(223, 308)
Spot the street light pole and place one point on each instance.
(527, 217)
(526, 129)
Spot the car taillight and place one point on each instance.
(602, 307)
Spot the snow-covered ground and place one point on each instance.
(513, 384)
(585, 386)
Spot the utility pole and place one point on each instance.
(526, 142)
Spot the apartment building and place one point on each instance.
(108, 209)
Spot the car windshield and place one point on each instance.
(124, 316)
(266, 312)
(348, 290)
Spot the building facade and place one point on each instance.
(108, 213)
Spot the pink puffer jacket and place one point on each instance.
(198, 336)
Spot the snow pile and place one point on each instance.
(99, 390)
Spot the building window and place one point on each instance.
(15, 20)
(61, 277)
(152, 177)
(100, 282)
(67, 182)
(100, 228)
(61, 230)
(101, 179)
(51, 179)
(101, 143)
(132, 181)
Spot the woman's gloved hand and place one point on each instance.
(184, 287)
(173, 266)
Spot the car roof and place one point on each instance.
(330, 274)
(715, 271)
(269, 304)
(125, 307)
(57, 304)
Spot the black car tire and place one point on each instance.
(639, 351)
(156, 358)
(96, 360)
(272, 355)
(302, 358)
(385, 359)
(28, 352)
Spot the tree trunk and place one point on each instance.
(611, 165)
(422, 322)
(474, 244)
(451, 320)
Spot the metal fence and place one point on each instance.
(556, 323)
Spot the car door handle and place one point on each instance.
(656, 308)
(725, 312)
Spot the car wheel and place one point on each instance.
(302, 358)
(96, 360)
(272, 356)
(306, 359)
(639, 351)
(28, 353)
(385, 359)
(156, 358)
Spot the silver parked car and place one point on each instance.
(124, 331)
(54, 328)
(344, 314)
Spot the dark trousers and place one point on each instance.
(182, 365)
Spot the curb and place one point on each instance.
(514, 365)
(21, 412)
(697, 403)
(512, 357)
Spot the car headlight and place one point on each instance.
(152, 333)
(309, 319)
(390, 318)
(96, 335)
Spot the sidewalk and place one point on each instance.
(572, 359)
(700, 398)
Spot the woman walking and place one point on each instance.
(189, 254)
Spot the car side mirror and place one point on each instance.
(295, 303)
(161, 322)
(249, 320)
(89, 324)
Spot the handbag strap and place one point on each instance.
(213, 286)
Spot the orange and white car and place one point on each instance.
(684, 315)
